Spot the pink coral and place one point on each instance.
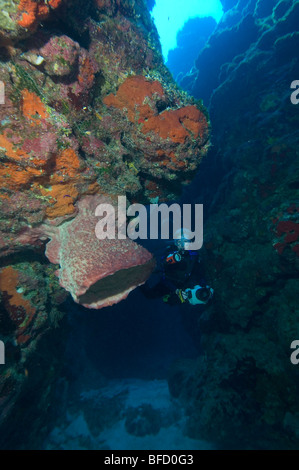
(61, 55)
(97, 273)
(44, 146)
(288, 231)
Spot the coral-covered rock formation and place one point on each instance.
(88, 110)
(93, 113)
(243, 390)
(19, 18)
(30, 314)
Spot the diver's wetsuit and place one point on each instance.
(179, 275)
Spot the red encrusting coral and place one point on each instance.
(136, 96)
(32, 12)
(87, 70)
(19, 309)
(177, 125)
(289, 231)
(33, 107)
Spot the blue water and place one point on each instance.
(118, 359)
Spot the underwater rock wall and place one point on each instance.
(190, 40)
(32, 328)
(244, 390)
(88, 110)
(91, 111)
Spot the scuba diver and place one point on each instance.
(181, 276)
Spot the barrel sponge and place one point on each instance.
(97, 273)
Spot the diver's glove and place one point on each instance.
(181, 295)
(173, 299)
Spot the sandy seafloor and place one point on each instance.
(74, 432)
